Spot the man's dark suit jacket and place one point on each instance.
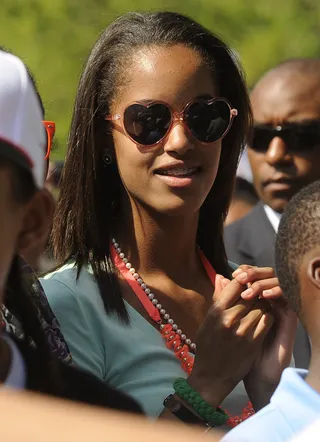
(251, 240)
(72, 383)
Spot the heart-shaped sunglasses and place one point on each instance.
(50, 128)
(148, 123)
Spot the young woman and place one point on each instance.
(160, 118)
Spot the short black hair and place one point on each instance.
(299, 232)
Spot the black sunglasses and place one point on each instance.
(147, 124)
(299, 137)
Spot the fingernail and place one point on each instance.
(237, 272)
(267, 292)
(247, 293)
(243, 276)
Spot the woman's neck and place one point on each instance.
(159, 243)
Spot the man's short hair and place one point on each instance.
(299, 232)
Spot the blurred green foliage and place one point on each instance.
(54, 37)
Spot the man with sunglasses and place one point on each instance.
(284, 154)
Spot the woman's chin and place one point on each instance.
(177, 207)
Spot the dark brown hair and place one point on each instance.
(87, 211)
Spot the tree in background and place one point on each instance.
(54, 38)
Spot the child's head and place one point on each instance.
(24, 206)
(298, 254)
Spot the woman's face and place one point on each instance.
(175, 176)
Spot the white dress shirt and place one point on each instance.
(293, 407)
(273, 217)
(310, 434)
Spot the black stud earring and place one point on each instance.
(107, 159)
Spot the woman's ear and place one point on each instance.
(36, 227)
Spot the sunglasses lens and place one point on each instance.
(305, 137)
(299, 137)
(261, 139)
(208, 121)
(147, 125)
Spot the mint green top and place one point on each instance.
(132, 358)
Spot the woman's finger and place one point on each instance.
(264, 285)
(264, 326)
(240, 310)
(274, 293)
(249, 322)
(226, 298)
(225, 282)
(241, 268)
(218, 286)
(251, 274)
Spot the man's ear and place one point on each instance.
(36, 226)
(314, 271)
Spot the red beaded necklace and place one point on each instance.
(175, 339)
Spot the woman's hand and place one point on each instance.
(228, 341)
(260, 282)
(274, 357)
(276, 352)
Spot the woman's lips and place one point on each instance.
(178, 176)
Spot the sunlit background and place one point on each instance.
(54, 37)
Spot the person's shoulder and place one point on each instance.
(65, 287)
(245, 222)
(310, 433)
(85, 387)
(66, 274)
(265, 426)
(68, 279)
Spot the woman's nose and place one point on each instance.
(179, 139)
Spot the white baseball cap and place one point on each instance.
(21, 126)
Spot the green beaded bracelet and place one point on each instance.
(213, 417)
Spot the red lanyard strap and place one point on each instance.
(150, 308)
(208, 268)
